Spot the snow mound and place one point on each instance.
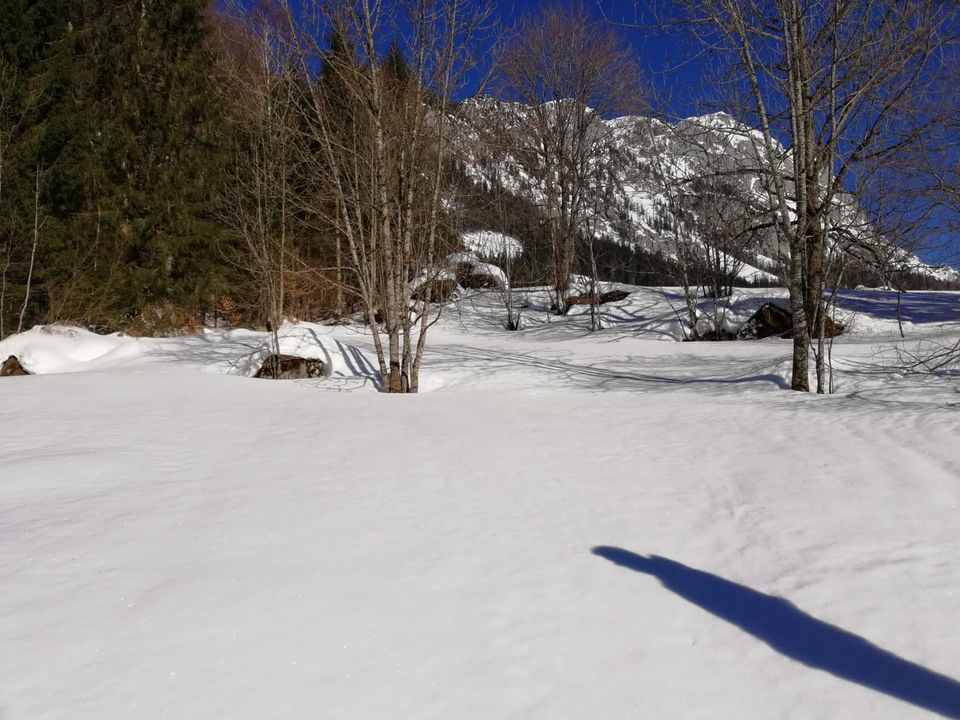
(47, 349)
(313, 342)
(491, 244)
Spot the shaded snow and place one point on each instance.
(312, 341)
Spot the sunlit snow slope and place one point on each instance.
(569, 525)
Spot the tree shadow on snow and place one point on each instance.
(359, 365)
(591, 376)
(917, 306)
(799, 636)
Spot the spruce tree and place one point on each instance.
(115, 104)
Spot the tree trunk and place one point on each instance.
(33, 251)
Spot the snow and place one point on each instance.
(435, 275)
(751, 273)
(645, 158)
(55, 348)
(940, 272)
(566, 525)
(491, 244)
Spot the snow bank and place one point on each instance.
(47, 349)
(194, 546)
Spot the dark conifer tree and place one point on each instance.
(115, 106)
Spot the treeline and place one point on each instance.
(167, 162)
(142, 143)
(112, 154)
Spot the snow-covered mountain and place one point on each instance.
(656, 185)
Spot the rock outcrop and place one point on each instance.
(11, 367)
(774, 321)
(290, 367)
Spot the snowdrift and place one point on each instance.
(46, 349)
(51, 349)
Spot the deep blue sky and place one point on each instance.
(679, 78)
(673, 69)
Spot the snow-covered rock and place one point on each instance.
(309, 341)
(443, 284)
(472, 272)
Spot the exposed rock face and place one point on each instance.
(769, 321)
(290, 367)
(774, 321)
(11, 367)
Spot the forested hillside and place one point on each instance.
(114, 150)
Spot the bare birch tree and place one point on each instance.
(37, 225)
(836, 81)
(571, 72)
(380, 135)
(259, 202)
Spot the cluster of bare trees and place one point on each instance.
(347, 138)
(260, 200)
(716, 217)
(572, 72)
(383, 138)
(353, 154)
(838, 90)
(349, 141)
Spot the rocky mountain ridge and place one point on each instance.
(646, 181)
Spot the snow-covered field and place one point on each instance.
(563, 525)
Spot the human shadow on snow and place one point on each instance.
(797, 635)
